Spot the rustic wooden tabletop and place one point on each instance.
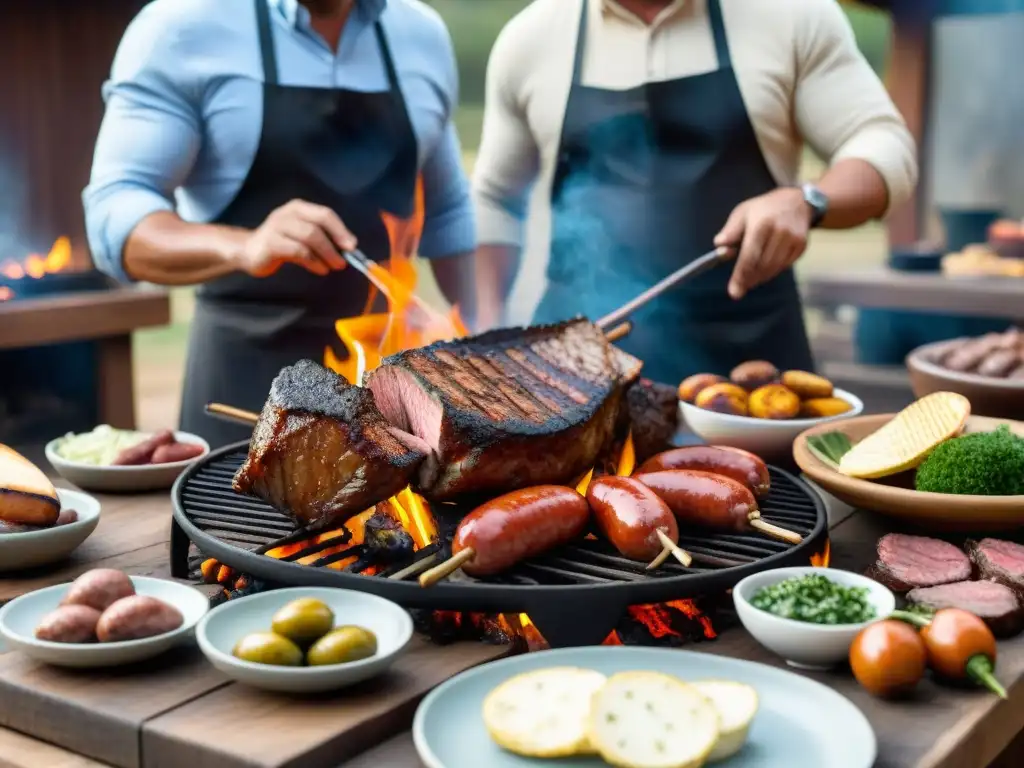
(179, 711)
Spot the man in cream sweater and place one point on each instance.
(657, 129)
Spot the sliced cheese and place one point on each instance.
(26, 495)
(906, 441)
(543, 713)
(651, 720)
(736, 704)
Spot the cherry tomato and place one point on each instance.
(888, 658)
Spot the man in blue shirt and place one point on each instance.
(246, 143)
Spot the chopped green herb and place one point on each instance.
(815, 599)
(830, 447)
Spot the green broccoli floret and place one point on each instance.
(982, 463)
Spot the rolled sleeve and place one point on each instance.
(148, 140)
(449, 227)
(843, 109)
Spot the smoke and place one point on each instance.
(13, 196)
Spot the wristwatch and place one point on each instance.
(817, 200)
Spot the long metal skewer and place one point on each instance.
(697, 266)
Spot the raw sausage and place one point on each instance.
(99, 589)
(518, 526)
(135, 617)
(69, 624)
(143, 452)
(166, 454)
(630, 514)
(741, 466)
(704, 499)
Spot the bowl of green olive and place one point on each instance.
(304, 640)
(810, 616)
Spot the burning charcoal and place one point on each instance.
(385, 538)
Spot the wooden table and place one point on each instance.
(180, 712)
(884, 288)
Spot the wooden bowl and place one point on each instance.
(895, 496)
(998, 398)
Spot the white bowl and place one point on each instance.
(49, 545)
(768, 438)
(20, 617)
(144, 477)
(226, 624)
(800, 643)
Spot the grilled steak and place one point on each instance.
(507, 409)
(322, 451)
(993, 603)
(906, 562)
(1001, 561)
(652, 413)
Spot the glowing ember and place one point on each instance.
(823, 558)
(36, 266)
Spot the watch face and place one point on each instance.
(817, 200)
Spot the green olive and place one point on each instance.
(303, 621)
(342, 645)
(268, 648)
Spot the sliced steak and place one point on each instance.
(905, 562)
(993, 603)
(652, 413)
(507, 409)
(322, 451)
(1001, 561)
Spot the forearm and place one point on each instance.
(857, 194)
(496, 267)
(455, 278)
(164, 249)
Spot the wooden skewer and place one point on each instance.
(413, 568)
(671, 548)
(773, 530)
(231, 413)
(447, 568)
(619, 331)
(659, 560)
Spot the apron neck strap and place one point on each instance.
(717, 32)
(268, 53)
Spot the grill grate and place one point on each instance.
(583, 579)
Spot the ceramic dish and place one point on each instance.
(145, 477)
(19, 618)
(799, 724)
(769, 439)
(895, 496)
(998, 398)
(226, 624)
(49, 545)
(801, 644)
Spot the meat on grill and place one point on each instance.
(993, 603)
(1001, 561)
(905, 562)
(507, 409)
(652, 413)
(322, 451)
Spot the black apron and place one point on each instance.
(353, 152)
(646, 178)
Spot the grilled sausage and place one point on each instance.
(166, 454)
(703, 499)
(968, 357)
(143, 452)
(743, 467)
(630, 515)
(518, 526)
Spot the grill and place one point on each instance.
(574, 595)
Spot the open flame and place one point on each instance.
(36, 266)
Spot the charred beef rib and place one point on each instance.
(507, 409)
(652, 415)
(322, 451)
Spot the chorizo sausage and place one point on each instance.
(142, 452)
(518, 526)
(166, 454)
(741, 466)
(630, 515)
(703, 499)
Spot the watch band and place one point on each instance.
(818, 202)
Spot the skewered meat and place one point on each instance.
(322, 451)
(703, 499)
(509, 408)
(741, 466)
(652, 413)
(905, 562)
(630, 515)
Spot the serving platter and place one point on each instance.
(895, 496)
(799, 724)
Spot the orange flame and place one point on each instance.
(36, 265)
(623, 465)
(823, 558)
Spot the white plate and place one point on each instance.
(769, 438)
(811, 646)
(49, 545)
(226, 624)
(20, 617)
(799, 724)
(144, 477)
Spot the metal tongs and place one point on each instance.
(362, 263)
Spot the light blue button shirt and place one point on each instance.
(185, 105)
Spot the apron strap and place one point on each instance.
(718, 32)
(389, 62)
(267, 52)
(581, 44)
